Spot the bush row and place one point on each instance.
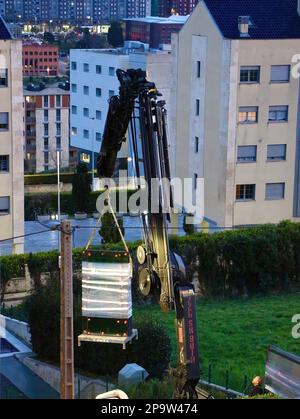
(250, 261)
(46, 203)
(47, 179)
(43, 308)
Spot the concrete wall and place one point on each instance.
(17, 328)
(11, 143)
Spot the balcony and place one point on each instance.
(31, 134)
(31, 120)
(30, 148)
(30, 106)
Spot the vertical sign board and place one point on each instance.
(66, 313)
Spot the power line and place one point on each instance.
(25, 235)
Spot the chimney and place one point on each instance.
(244, 23)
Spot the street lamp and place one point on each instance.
(93, 154)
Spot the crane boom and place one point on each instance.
(159, 271)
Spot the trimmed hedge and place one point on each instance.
(47, 179)
(46, 203)
(248, 261)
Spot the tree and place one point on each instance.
(81, 188)
(115, 35)
(109, 231)
(49, 37)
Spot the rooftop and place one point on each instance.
(174, 19)
(272, 19)
(4, 32)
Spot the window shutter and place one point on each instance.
(276, 151)
(4, 203)
(246, 151)
(275, 191)
(280, 73)
(3, 118)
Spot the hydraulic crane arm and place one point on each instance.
(159, 270)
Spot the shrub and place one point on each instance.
(152, 389)
(109, 231)
(81, 188)
(152, 350)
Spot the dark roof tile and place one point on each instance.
(273, 19)
(4, 32)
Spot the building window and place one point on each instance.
(4, 121)
(58, 129)
(74, 110)
(98, 136)
(74, 131)
(46, 144)
(58, 101)
(86, 68)
(98, 69)
(280, 73)
(74, 65)
(196, 144)
(4, 163)
(111, 71)
(4, 205)
(85, 158)
(111, 93)
(98, 115)
(74, 88)
(3, 77)
(46, 115)
(86, 90)
(197, 107)
(245, 192)
(198, 69)
(250, 74)
(275, 191)
(98, 92)
(246, 153)
(46, 101)
(278, 113)
(86, 112)
(86, 134)
(46, 130)
(276, 152)
(58, 143)
(58, 115)
(248, 115)
(46, 157)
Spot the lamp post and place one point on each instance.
(58, 151)
(93, 154)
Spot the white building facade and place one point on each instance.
(93, 81)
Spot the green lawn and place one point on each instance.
(234, 335)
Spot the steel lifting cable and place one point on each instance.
(115, 220)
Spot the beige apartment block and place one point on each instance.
(235, 113)
(11, 142)
(47, 128)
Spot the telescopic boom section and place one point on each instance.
(159, 270)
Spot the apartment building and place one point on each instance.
(165, 8)
(94, 82)
(11, 142)
(39, 60)
(235, 114)
(47, 129)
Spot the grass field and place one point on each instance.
(234, 335)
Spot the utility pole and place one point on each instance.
(66, 314)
